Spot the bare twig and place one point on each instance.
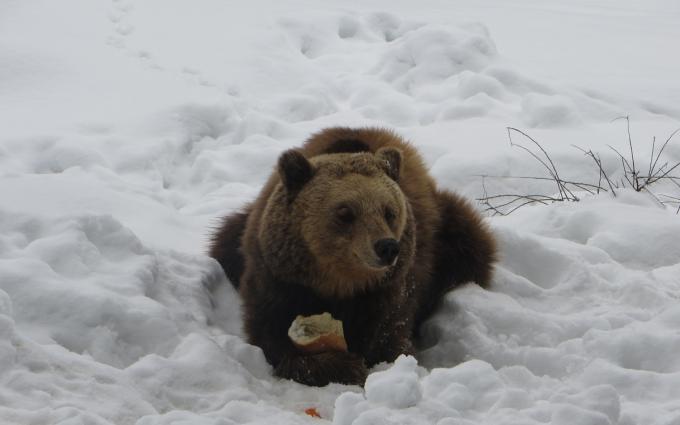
(662, 149)
(633, 170)
(485, 200)
(627, 170)
(551, 168)
(649, 171)
(569, 182)
(510, 199)
(598, 162)
(504, 204)
(654, 173)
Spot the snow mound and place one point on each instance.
(396, 388)
(473, 392)
(408, 72)
(97, 328)
(570, 312)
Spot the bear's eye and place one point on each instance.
(389, 215)
(345, 214)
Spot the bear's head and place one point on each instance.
(338, 223)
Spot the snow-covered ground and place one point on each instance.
(127, 128)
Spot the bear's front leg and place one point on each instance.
(323, 368)
(389, 342)
(267, 322)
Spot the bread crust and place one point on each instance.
(317, 333)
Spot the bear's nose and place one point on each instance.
(387, 250)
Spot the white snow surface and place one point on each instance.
(128, 128)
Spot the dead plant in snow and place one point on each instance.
(568, 190)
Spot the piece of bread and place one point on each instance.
(319, 333)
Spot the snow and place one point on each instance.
(129, 128)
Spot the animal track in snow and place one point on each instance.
(120, 17)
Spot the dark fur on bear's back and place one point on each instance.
(443, 243)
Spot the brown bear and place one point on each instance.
(352, 224)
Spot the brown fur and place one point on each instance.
(291, 252)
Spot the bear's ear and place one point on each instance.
(391, 159)
(294, 170)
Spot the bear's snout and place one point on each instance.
(387, 250)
